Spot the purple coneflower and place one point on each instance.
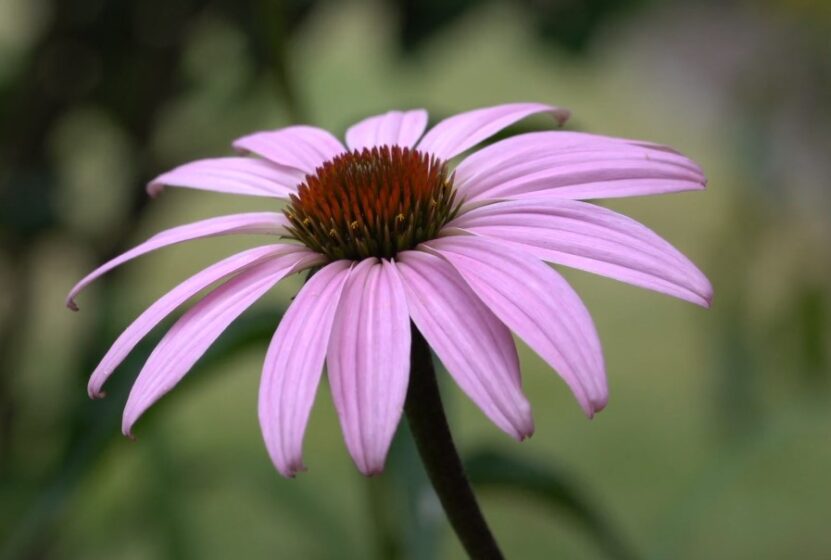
(395, 237)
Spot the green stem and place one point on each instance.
(428, 424)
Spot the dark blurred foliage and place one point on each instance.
(567, 24)
(573, 24)
(122, 57)
(490, 469)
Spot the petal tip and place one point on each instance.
(128, 420)
(71, 305)
(524, 427)
(594, 405)
(560, 115)
(525, 434)
(242, 145)
(706, 297)
(154, 188)
(291, 471)
(598, 405)
(371, 472)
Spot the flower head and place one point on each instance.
(399, 237)
(372, 203)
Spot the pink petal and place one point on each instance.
(574, 165)
(591, 238)
(474, 346)
(369, 361)
(458, 133)
(537, 304)
(294, 363)
(173, 299)
(235, 175)
(395, 128)
(255, 222)
(301, 147)
(197, 329)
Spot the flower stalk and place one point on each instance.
(428, 423)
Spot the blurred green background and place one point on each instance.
(717, 439)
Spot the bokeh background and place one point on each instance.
(717, 439)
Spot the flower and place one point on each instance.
(396, 237)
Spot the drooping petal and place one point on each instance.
(591, 238)
(294, 363)
(395, 128)
(301, 147)
(255, 222)
(537, 304)
(369, 361)
(173, 299)
(189, 338)
(235, 175)
(574, 165)
(474, 346)
(458, 133)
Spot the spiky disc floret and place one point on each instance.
(372, 203)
